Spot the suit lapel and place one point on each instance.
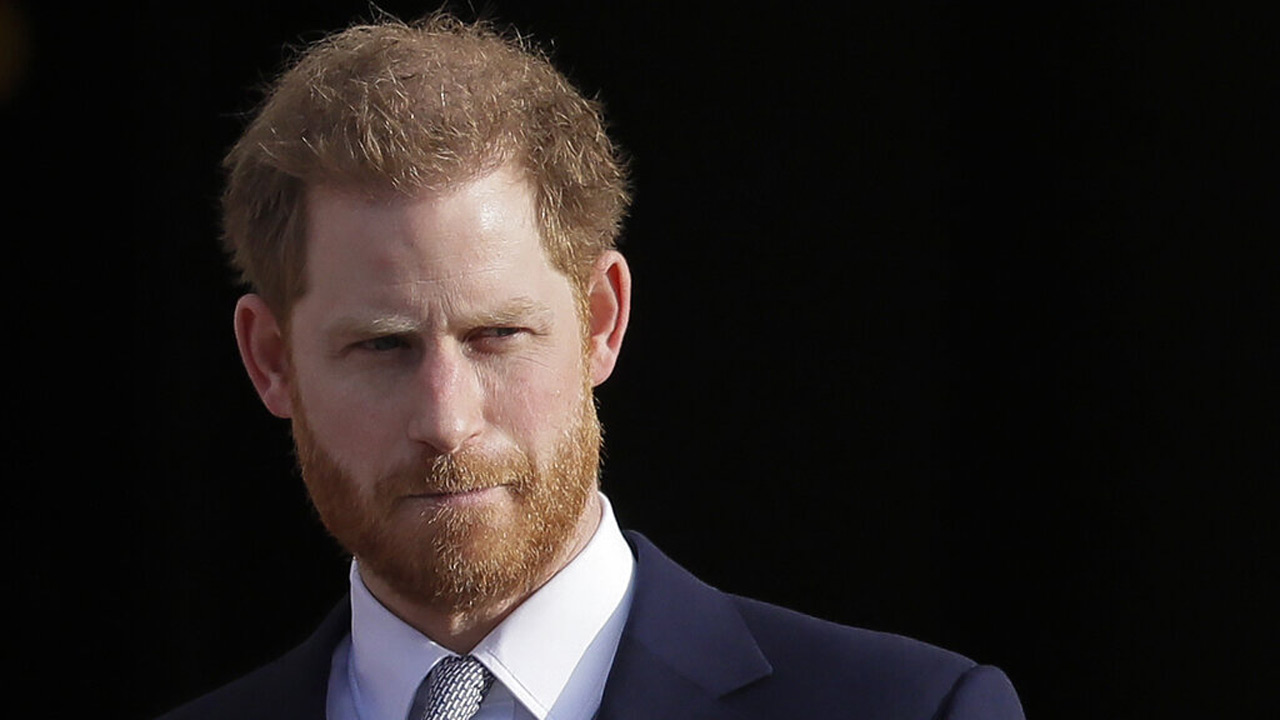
(683, 648)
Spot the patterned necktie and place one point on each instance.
(455, 687)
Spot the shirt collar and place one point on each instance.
(534, 652)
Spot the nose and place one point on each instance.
(448, 400)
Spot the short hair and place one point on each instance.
(406, 108)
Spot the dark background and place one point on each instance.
(951, 322)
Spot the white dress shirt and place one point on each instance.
(550, 657)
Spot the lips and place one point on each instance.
(451, 493)
(451, 496)
(445, 492)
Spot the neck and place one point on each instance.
(461, 630)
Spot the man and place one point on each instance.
(427, 217)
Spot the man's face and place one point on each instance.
(440, 400)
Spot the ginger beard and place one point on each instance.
(458, 558)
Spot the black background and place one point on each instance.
(949, 321)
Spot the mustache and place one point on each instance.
(462, 472)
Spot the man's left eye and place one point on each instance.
(497, 333)
(492, 339)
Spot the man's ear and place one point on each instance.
(608, 309)
(265, 354)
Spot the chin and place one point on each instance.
(462, 560)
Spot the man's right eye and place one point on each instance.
(382, 344)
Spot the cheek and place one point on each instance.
(535, 405)
(351, 428)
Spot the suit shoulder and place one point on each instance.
(830, 663)
(764, 661)
(785, 632)
(260, 694)
(294, 685)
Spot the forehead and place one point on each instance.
(485, 227)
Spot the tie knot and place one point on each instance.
(455, 687)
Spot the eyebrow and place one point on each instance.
(516, 310)
(380, 325)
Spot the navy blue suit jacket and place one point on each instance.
(691, 651)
